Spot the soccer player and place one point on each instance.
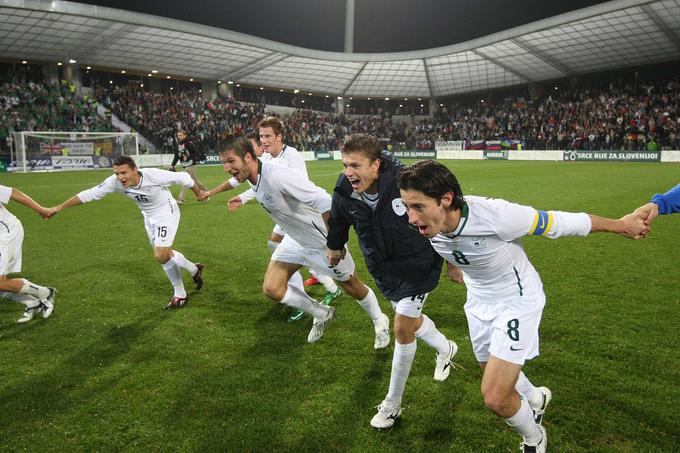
(505, 297)
(187, 155)
(149, 191)
(403, 264)
(667, 203)
(268, 145)
(301, 208)
(35, 298)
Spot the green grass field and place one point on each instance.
(112, 371)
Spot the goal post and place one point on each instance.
(40, 151)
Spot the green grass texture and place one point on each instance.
(112, 371)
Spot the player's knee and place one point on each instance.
(273, 290)
(404, 333)
(4, 283)
(162, 255)
(495, 400)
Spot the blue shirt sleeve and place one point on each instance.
(669, 202)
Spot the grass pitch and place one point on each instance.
(112, 371)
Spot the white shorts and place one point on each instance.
(290, 251)
(510, 335)
(10, 249)
(278, 230)
(411, 306)
(162, 232)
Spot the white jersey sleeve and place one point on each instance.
(247, 195)
(294, 159)
(168, 178)
(5, 194)
(306, 192)
(233, 182)
(109, 185)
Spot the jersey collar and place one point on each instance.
(259, 175)
(464, 214)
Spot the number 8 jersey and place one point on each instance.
(485, 245)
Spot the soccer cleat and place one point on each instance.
(539, 411)
(296, 315)
(443, 367)
(311, 281)
(198, 276)
(388, 413)
(329, 297)
(382, 333)
(176, 302)
(541, 447)
(319, 327)
(29, 313)
(47, 305)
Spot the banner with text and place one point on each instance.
(495, 155)
(416, 154)
(614, 156)
(70, 162)
(449, 145)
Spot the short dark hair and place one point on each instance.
(275, 123)
(366, 144)
(254, 136)
(239, 145)
(432, 179)
(125, 160)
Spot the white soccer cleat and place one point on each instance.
(539, 410)
(382, 333)
(388, 413)
(541, 447)
(29, 313)
(443, 367)
(319, 327)
(47, 305)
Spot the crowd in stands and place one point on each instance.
(617, 116)
(29, 106)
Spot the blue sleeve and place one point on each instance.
(668, 202)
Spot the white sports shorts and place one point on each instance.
(508, 331)
(278, 230)
(10, 248)
(411, 306)
(290, 251)
(162, 232)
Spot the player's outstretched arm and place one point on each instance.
(20, 197)
(226, 185)
(73, 201)
(630, 226)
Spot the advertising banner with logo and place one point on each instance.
(78, 148)
(495, 155)
(416, 154)
(323, 155)
(71, 162)
(614, 156)
(449, 145)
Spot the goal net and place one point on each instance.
(39, 151)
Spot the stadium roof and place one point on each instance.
(612, 35)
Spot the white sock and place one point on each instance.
(327, 283)
(526, 388)
(429, 333)
(272, 245)
(34, 290)
(26, 299)
(370, 305)
(298, 298)
(172, 271)
(523, 422)
(401, 367)
(296, 281)
(183, 262)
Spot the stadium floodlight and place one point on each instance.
(231, 82)
(72, 61)
(88, 68)
(262, 88)
(281, 91)
(154, 71)
(59, 63)
(148, 75)
(368, 99)
(191, 80)
(387, 99)
(339, 97)
(122, 71)
(167, 77)
(309, 94)
(296, 91)
(238, 84)
(24, 61)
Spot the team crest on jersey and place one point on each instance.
(398, 207)
(479, 242)
(268, 198)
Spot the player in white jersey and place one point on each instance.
(301, 208)
(149, 190)
(505, 295)
(34, 297)
(268, 145)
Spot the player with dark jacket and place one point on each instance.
(401, 262)
(188, 156)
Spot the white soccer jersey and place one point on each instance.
(294, 202)
(486, 247)
(151, 194)
(8, 221)
(289, 157)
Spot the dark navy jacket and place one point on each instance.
(401, 260)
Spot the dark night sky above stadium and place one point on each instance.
(381, 25)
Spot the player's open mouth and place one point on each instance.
(354, 182)
(422, 229)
